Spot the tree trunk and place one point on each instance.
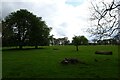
(36, 46)
(77, 47)
(20, 46)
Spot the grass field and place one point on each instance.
(45, 62)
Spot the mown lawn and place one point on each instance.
(45, 62)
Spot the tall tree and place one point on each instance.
(104, 17)
(25, 26)
(7, 35)
(39, 35)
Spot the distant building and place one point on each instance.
(59, 41)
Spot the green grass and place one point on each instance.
(45, 62)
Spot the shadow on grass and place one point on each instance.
(60, 79)
(55, 49)
(16, 49)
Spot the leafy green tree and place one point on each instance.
(7, 35)
(79, 40)
(83, 40)
(26, 27)
(67, 42)
(39, 34)
(76, 41)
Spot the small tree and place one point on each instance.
(83, 40)
(76, 41)
(79, 40)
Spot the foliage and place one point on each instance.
(25, 28)
(79, 40)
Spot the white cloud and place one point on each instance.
(65, 19)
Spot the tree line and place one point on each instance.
(23, 28)
(112, 41)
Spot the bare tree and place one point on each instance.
(105, 19)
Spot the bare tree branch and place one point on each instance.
(106, 17)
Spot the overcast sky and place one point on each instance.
(66, 17)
